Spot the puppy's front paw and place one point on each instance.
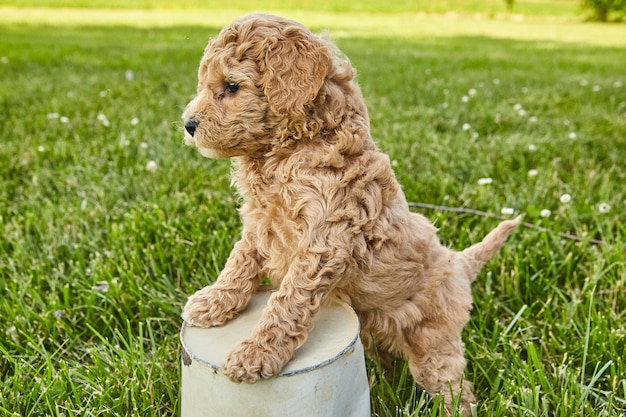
(249, 362)
(208, 307)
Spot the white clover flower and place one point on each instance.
(130, 75)
(517, 107)
(474, 135)
(521, 112)
(532, 172)
(83, 205)
(532, 147)
(572, 135)
(394, 163)
(466, 126)
(134, 121)
(101, 286)
(596, 88)
(103, 93)
(12, 332)
(143, 145)
(565, 198)
(507, 211)
(444, 105)
(604, 208)
(52, 116)
(471, 92)
(151, 166)
(41, 149)
(4, 60)
(103, 119)
(532, 119)
(485, 181)
(584, 82)
(496, 81)
(545, 213)
(465, 99)
(618, 84)
(64, 119)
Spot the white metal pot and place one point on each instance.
(326, 377)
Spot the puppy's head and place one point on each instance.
(256, 79)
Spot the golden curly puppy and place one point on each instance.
(323, 215)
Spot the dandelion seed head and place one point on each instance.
(41, 149)
(532, 172)
(130, 75)
(532, 147)
(64, 119)
(532, 119)
(545, 213)
(596, 88)
(517, 107)
(466, 126)
(496, 81)
(472, 92)
(465, 99)
(134, 121)
(4, 60)
(584, 82)
(143, 145)
(103, 93)
(572, 135)
(521, 112)
(618, 84)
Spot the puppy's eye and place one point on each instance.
(232, 87)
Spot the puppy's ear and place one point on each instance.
(296, 65)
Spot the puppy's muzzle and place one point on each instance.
(191, 126)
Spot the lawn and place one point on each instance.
(108, 222)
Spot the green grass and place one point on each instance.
(79, 212)
(534, 7)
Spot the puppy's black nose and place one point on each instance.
(190, 126)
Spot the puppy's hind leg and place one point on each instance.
(216, 304)
(436, 361)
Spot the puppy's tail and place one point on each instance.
(477, 255)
